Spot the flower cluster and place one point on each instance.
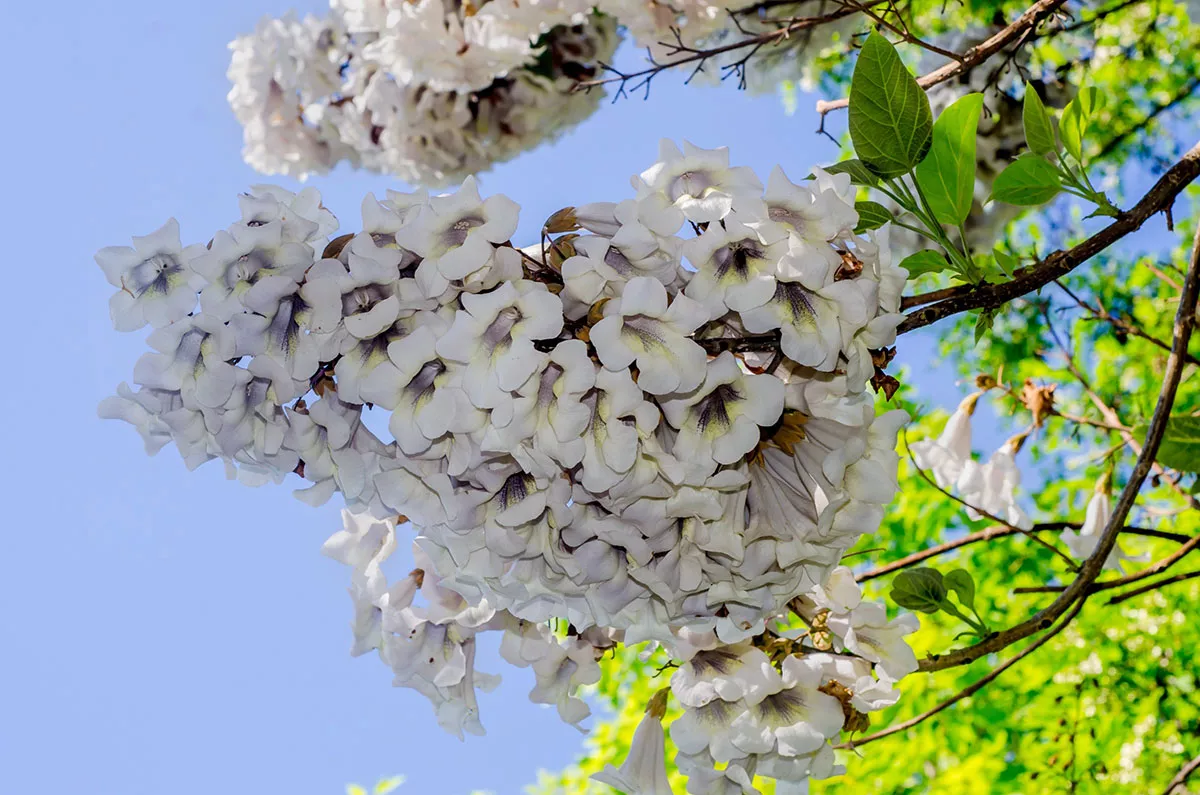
(643, 436)
(434, 90)
(412, 89)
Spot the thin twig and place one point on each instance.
(1000, 531)
(1154, 586)
(697, 57)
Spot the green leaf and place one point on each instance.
(859, 173)
(1027, 182)
(354, 789)
(919, 589)
(871, 215)
(983, 324)
(922, 262)
(1005, 261)
(1180, 447)
(947, 174)
(1075, 119)
(890, 120)
(388, 785)
(963, 585)
(1039, 127)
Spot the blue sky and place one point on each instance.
(166, 631)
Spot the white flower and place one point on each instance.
(1083, 542)
(992, 487)
(719, 421)
(560, 673)
(815, 216)
(946, 457)
(364, 544)
(730, 673)
(548, 417)
(795, 720)
(616, 408)
(839, 593)
(457, 233)
(644, 771)
(640, 327)
(143, 410)
(735, 267)
(249, 268)
(154, 279)
(710, 729)
(304, 218)
(425, 396)
(698, 184)
(603, 265)
(493, 335)
(810, 313)
(868, 633)
(191, 360)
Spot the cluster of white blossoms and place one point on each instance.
(430, 92)
(639, 436)
(433, 91)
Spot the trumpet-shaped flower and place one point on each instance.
(154, 279)
(641, 327)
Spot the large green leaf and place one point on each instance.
(947, 174)
(1028, 181)
(1039, 127)
(890, 120)
(1180, 447)
(919, 589)
(871, 215)
(922, 262)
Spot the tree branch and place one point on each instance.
(1185, 320)
(985, 296)
(1182, 776)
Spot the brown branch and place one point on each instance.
(1182, 776)
(970, 689)
(1185, 320)
(1154, 586)
(984, 296)
(974, 56)
(1000, 531)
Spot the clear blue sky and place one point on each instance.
(172, 632)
